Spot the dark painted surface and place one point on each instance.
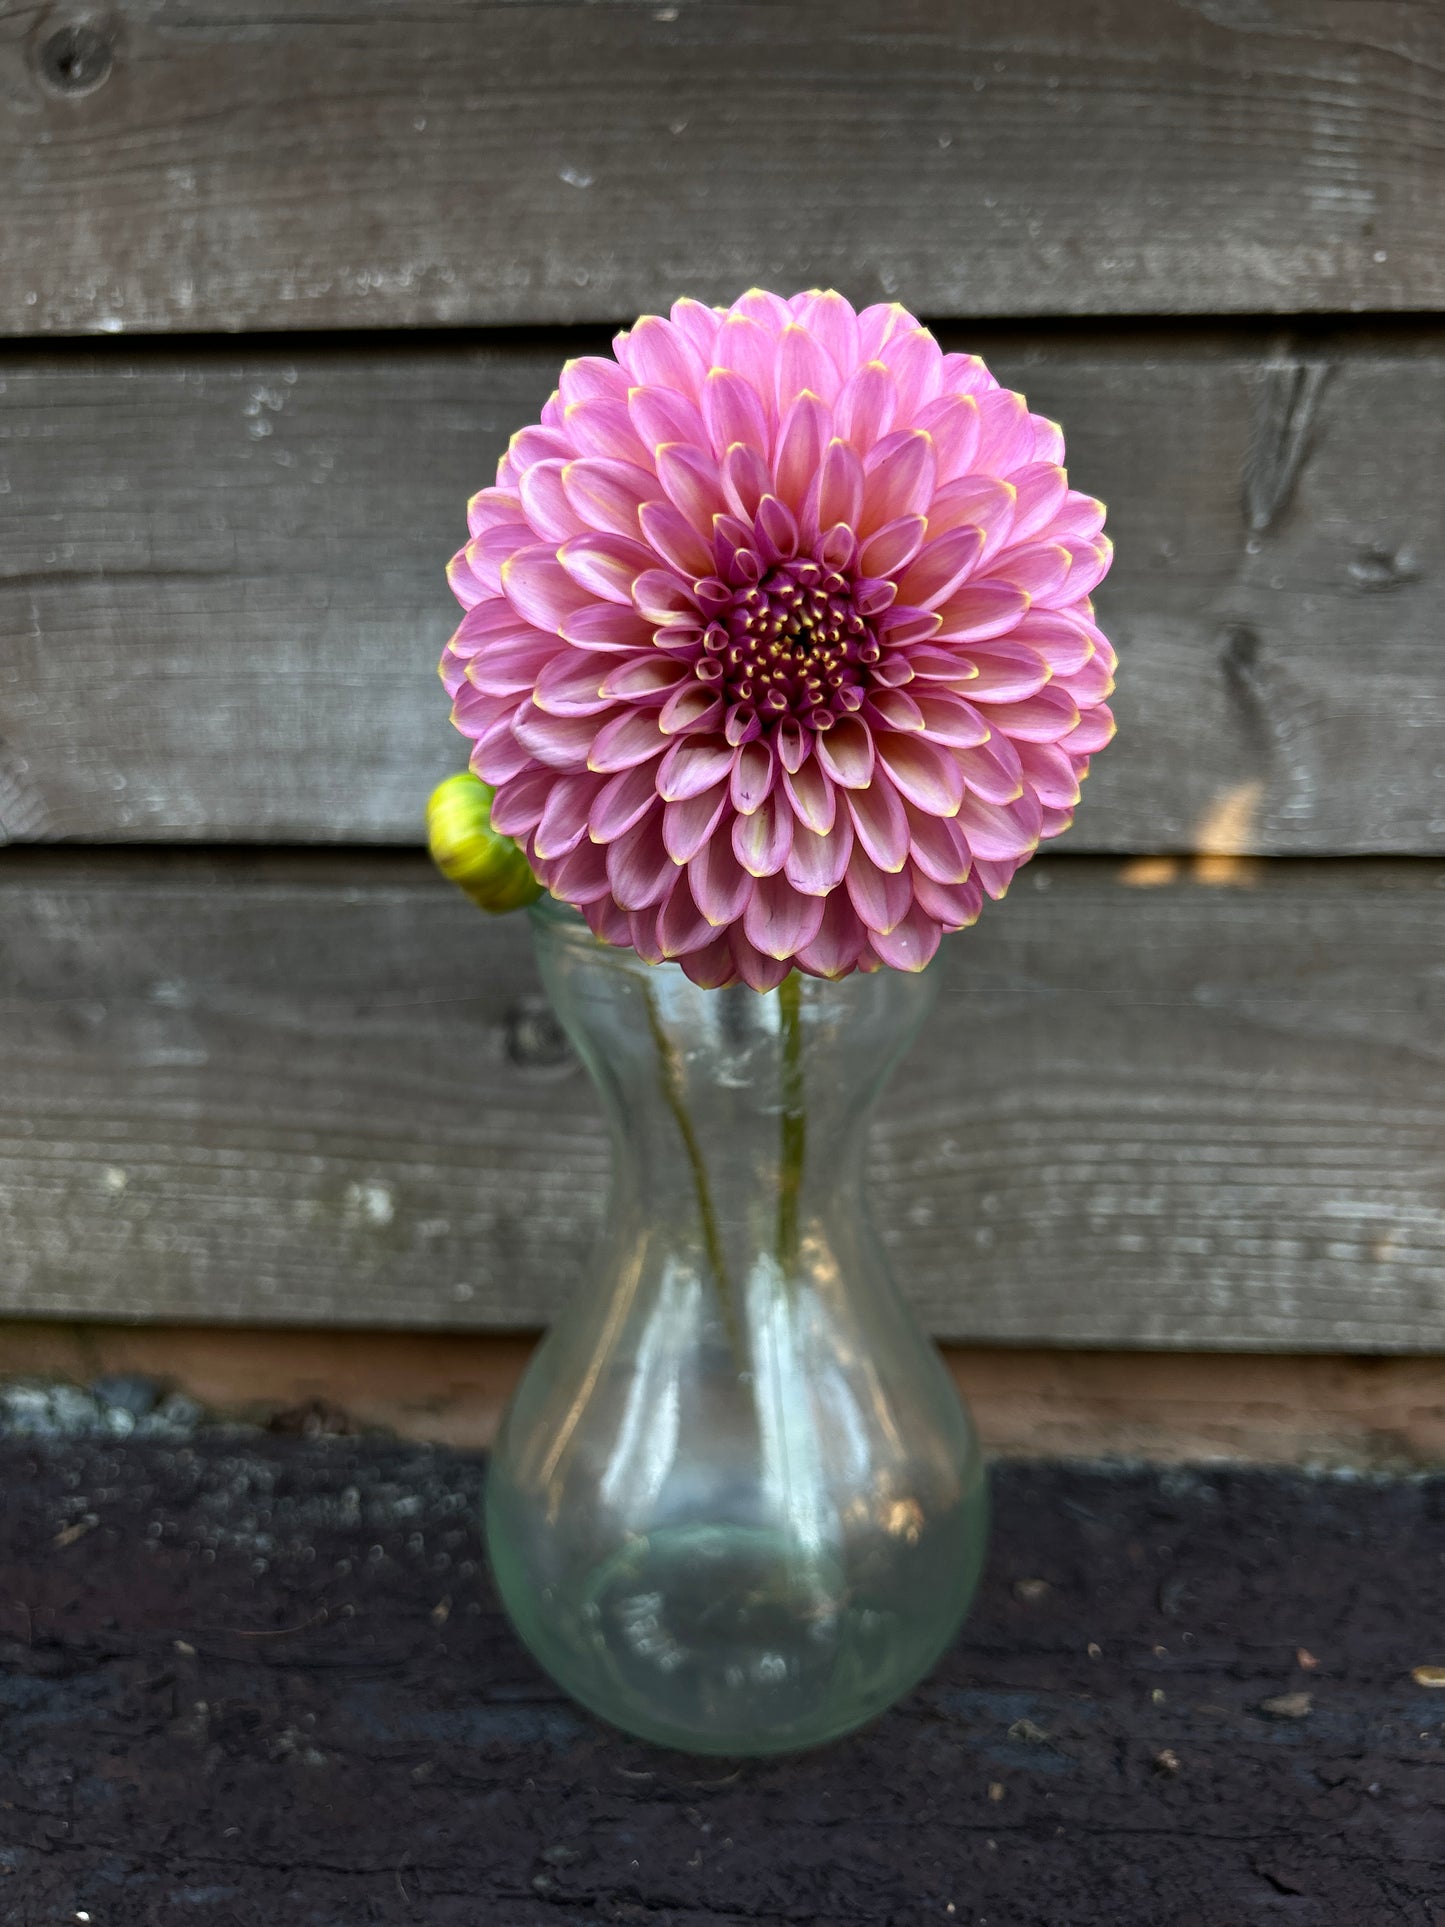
(250, 1680)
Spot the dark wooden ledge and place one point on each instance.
(250, 1679)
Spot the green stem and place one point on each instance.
(674, 1089)
(795, 1122)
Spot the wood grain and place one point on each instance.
(308, 1090)
(361, 163)
(221, 594)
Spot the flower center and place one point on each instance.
(792, 645)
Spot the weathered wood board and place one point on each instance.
(361, 163)
(1150, 1111)
(221, 591)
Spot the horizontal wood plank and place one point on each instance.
(360, 163)
(1149, 1112)
(221, 593)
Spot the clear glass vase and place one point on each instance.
(737, 1505)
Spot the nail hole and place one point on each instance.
(76, 59)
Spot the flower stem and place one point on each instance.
(670, 1076)
(795, 1121)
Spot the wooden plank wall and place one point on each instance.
(1184, 1088)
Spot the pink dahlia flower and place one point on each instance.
(778, 645)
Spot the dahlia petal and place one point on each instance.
(490, 624)
(681, 926)
(793, 745)
(563, 822)
(1008, 671)
(621, 802)
(992, 770)
(609, 922)
(747, 478)
(757, 971)
(541, 590)
(674, 538)
(940, 567)
(995, 876)
(803, 366)
(898, 479)
(910, 944)
(689, 710)
(998, 832)
(880, 822)
(953, 423)
(512, 668)
(474, 711)
(658, 354)
(837, 495)
(777, 530)
(817, 864)
(834, 951)
(719, 883)
(606, 496)
(746, 347)
(982, 610)
(688, 824)
(497, 756)
(642, 931)
(1043, 718)
(1050, 774)
(846, 753)
(881, 897)
(1095, 730)
(591, 378)
(605, 428)
(867, 406)
(900, 629)
(453, 671)
(966, 375)
(1048, 439)
(733, 412)
(544, 498)
(975, 501)
(692, 766)
(711, 966)
(606, 627)
(581, 876)
(1079, 515)
(639, 867)
(531, 445)
(753, 776)
(893, 709)
(937, 846)
(692, 483)
(811, 796)
(1041, 487)
(660, 594)
(698, 323)
(1038, 568)
(950, 719)
(662, 415)
(805, 432)
(769, 310)
(830, 319)
(630, 738)
(570, 684)
(1089, 564)
(1056, 821)
(642, 678)
(489, 506)
(605, 565)
(1006, 433)
(878, 324)
(561, 742)
(916, 362)
(923, 774)
(890, 549)
(953, 905)
(1061, 641)
(761, 842)
(518, 805)
(779, 920)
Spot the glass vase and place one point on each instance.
(736, 1505)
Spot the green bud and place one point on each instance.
(487, 866)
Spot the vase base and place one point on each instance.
(728, 1639)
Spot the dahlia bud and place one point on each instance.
(487, 866)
